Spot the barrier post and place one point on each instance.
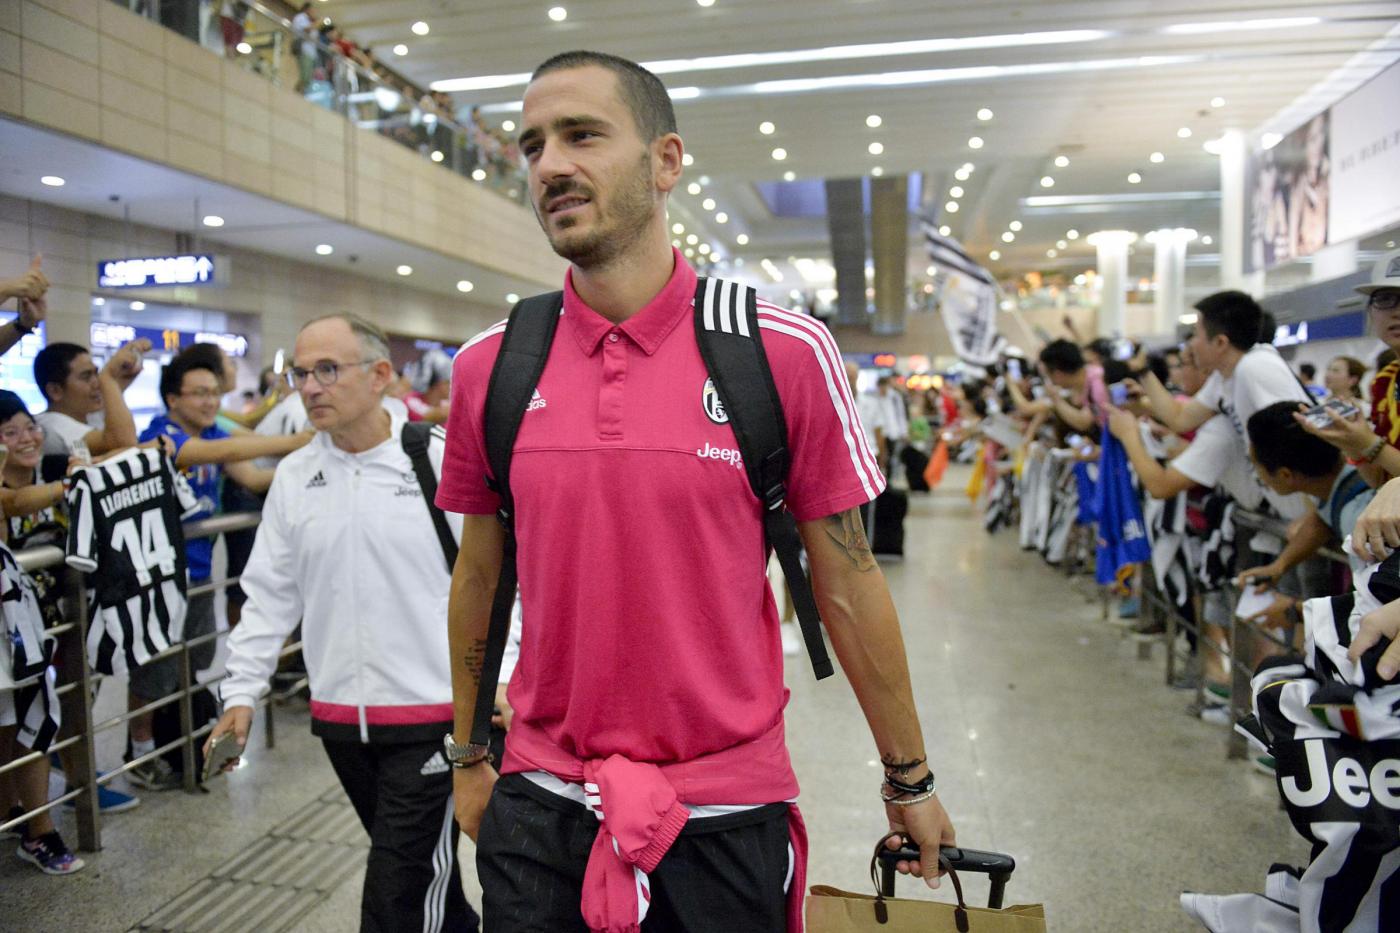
(269, 731)
(186, 707)
(89, 817)
(1241, 649)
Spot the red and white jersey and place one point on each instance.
(649, 627)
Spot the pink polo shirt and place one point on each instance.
(649, 627)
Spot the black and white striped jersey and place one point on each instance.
(124, 529)
(30, 654)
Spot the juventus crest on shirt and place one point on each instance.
(124, 530)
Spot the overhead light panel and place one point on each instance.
(955, 192)
(1206, 241)
(1134, 178)
(1217, 102)
(138, 306)
(478, 174)
(687, 160)
(1014, 226)
(1071, 234)
(975, 143)
(962, 174)
(1008, 237)
(1061, 244)
(213, 220)
(53, 181)
(437, 155)
(779, 154)
(875, 148)
(419, 28)
(1156, 158)
(1047, 182)
(767, 128)
(708, 204)
(951, 207)
(692, 239)
(465, 286)
(558, 14)
(984, 114)
(324, 249)
(1184, 133)
(400, 49)
(1242, 25)
(706, 3)
(721, 218)
(508, 126)
(873, 121)
(693, 187)
(742, 239)
(1061, 161)
(877, 172)
(404, 270)
(994, 255)
(945, 230)
(678, 228)
(789, 176)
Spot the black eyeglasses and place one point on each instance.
(1387, 300)
(326, 372)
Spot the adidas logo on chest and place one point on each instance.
(318, 481)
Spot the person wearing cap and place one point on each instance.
(1374, 445)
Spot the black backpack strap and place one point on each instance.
(727, 330)
(524, 349)
(415, 437)
(1354, 485)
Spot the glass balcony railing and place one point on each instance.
(340, 76)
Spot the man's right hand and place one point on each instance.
(125, 364)
(1122, 423)
(471, 791)
(236, 719)
(31, 285)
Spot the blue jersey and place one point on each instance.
(204, 483)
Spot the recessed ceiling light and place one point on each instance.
(324, 249)
(465, 286)
(676, 244)
(789, 176)
(873, 121)
(708, 204)
(1206, 241)
(558, 14)
(213, 220)
(984, 114)
(975, 142)
(1217, 102)
(244, 48)
(968, 167)
(1134, 178)
(478, 174)
(931, 271)
(1051, 254)
(1184, 133)
(945, 230)
(419, 28)
(779, 154)
(1047, 182)
(400, 49)
(1280, 22)
(994, 255)
(875, 148)
(693, 187)
(437, 155)
(1014, 226)
(1061, 161)
(1071, 234)
(99, 302)
(955, 192)
(53, 181)
(690, 253)
(687, 160)
(508, 126)
(962, 174)
(1156, 158)
(704, 179)
(404, 270)
(703, 249)
(692, 239)
(678, 228)
(1008, 237)
(512, 298)
(1061, 244)
(951, 207)
(767, 128)
(742, 239)
(721, 218)
(706, 3)
(877, 171)
(138, 306)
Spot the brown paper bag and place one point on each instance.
(831, 910)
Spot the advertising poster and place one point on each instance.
(1289, 188)
(1365, 155)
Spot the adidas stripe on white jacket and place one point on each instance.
(347, 547)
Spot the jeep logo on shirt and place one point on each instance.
(714, 408)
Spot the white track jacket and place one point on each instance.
(347, 547)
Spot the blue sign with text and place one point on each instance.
(156, 271)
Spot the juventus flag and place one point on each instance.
(967, 297)
(125, 531)
(28, 671)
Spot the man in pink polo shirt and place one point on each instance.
(649, 687)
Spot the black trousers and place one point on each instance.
(411, 880)
(723, 873)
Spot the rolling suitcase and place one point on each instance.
(830, 910)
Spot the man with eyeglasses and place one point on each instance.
(204, 452)
(352, 548)
(1375, 445)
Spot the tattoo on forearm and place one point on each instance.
(892, 763)
(475, 659)
(848, 532)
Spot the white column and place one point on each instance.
(1112, 246)
(1234, 159)
(1169, 271)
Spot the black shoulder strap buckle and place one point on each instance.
(729, 333)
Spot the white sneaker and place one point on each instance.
(792, 642)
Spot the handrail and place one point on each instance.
(82, 688)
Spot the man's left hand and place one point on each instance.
(928, 825)
(32, 311)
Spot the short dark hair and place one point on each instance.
(1308, 371)
(1280, 441)
(1157, 362)
(642, 91)
(172, 377)
(1102, 346)
(1062, 356)
(53, 365)
(1234, 314)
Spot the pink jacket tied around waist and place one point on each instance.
(640, 814)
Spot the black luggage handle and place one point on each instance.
(997, 866)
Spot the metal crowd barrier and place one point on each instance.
(80, 736)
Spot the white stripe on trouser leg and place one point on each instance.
(435, 901)
(792, 867)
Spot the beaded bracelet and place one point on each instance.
(918, 798)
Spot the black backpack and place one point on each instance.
(727, 329)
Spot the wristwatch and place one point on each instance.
(468, 755)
